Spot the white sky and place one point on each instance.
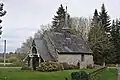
(24, 17)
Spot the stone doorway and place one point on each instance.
(35, 61)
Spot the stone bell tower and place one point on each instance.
(66, 29)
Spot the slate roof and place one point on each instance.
(42, 50)
(68, 43)
(52, 43)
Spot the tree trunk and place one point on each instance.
(103, 62)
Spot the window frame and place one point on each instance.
(82, 57)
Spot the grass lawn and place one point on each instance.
(109, 74)
(17, 74)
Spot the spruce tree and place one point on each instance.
(105, 19)
(115, 34)
(99, 43)
(98, 39)
(118, 41)
(95, 19)
(113, 40)
(58, 20)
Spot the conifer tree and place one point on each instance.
(115, 34)
(95, 19)
(99, 43)
(58, 20)
(98, 38)
(105, 19)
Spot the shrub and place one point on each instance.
(1, 59)
(90, 66)
(111, 65)
(50, 66)
(79, 75)
(12, 59)
(17, 64)
(6, 61)
(67, 66)
(97, 66)
(26, 68)
(73, 67)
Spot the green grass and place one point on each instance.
(17, 74)
(108, 74)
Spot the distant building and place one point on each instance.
(61, 47)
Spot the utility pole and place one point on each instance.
(4, 54)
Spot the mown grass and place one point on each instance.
(17, 74)
(108, 74)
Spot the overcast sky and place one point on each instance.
(24, 17)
